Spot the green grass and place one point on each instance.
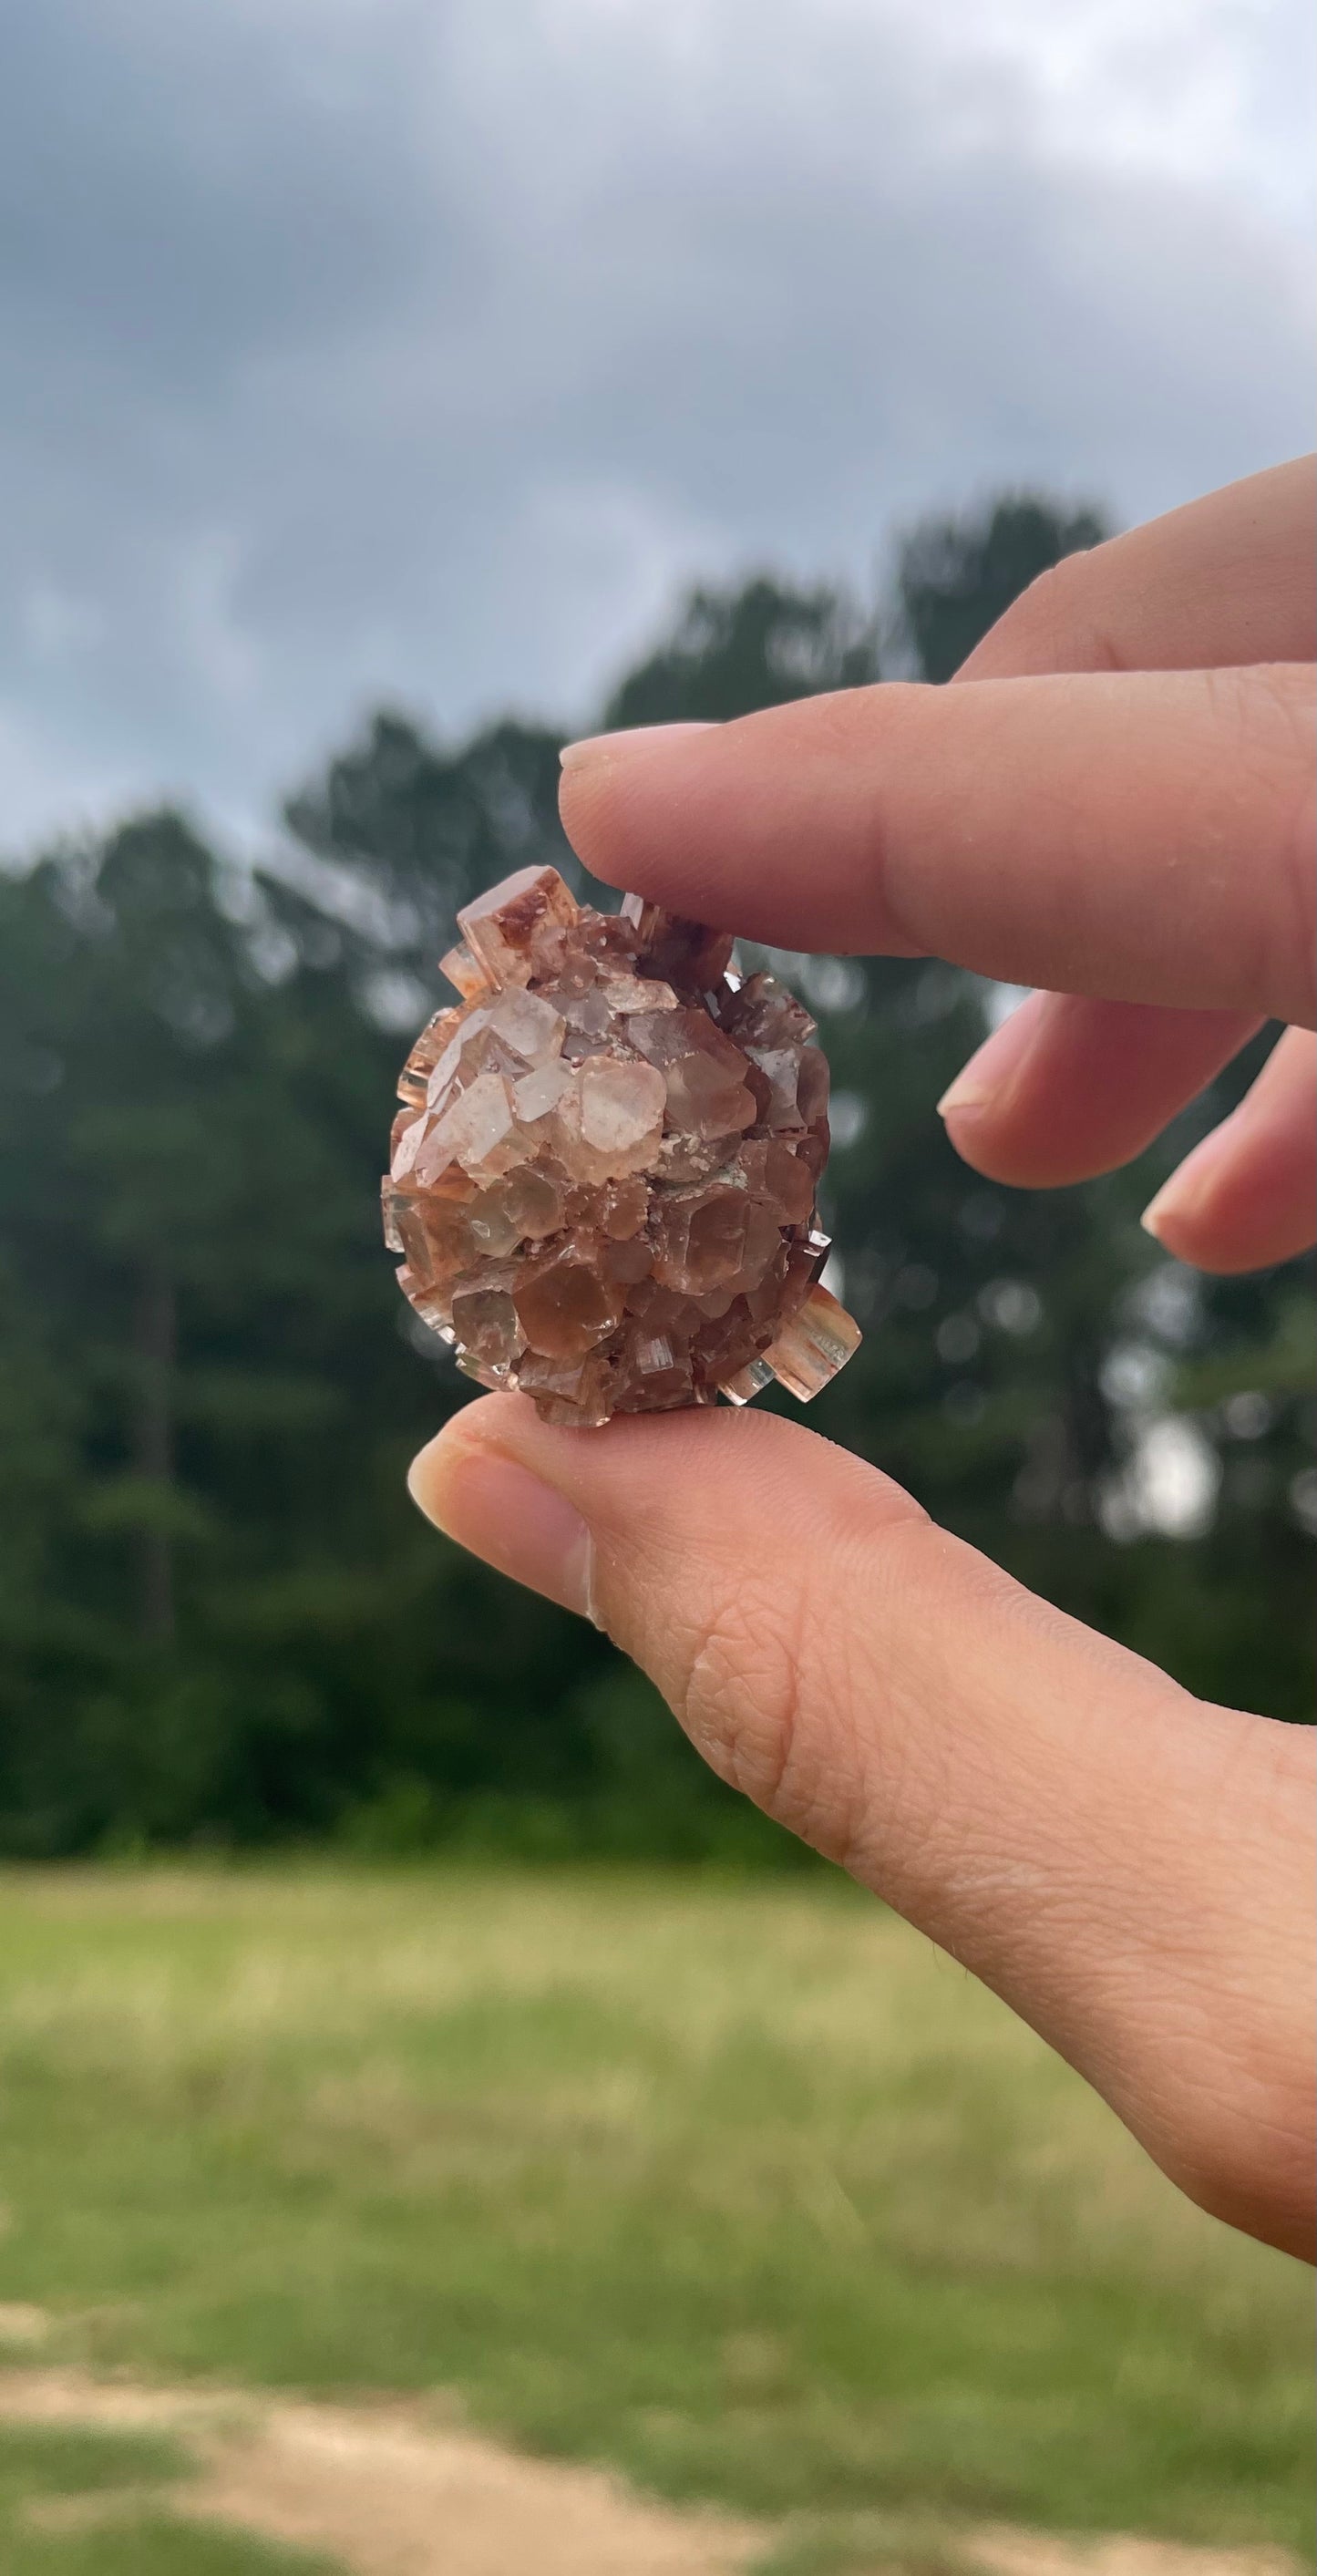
(742, 2188)
(79, 2504)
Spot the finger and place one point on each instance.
(1247, 1196)
(1142, 837)
(1067, 1087)
(1048, 1807)
(1228, 579)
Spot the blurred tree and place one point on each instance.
(732, 651)
(957, 576)
(413, 831)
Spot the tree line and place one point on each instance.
(220, 1620)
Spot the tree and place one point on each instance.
(957, 576)
(732, 651)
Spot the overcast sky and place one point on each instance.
(420, 349)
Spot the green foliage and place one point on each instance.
(740, 2187)
(152, 2544)
(220, 1619)
(958, 576)
(70, 2505)
(758, 646)
(54, 2459)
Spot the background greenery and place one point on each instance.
(743, 2188)
(220, 1620)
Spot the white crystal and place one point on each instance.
(528, 1027)
(541, 1089)
(444, 1073)
(622, 1104)
(480, 1129)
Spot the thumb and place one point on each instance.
(1103, 1850)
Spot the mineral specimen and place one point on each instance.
(603, 1175)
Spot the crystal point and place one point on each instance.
(814, 1343)
(501, 928)
(602, 1178)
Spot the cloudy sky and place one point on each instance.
(421, 348)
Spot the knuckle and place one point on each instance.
(1051, 623)
(1046, 602)
(1259, 805)
(1271, 708)
(754, 1699)
(1301, 940)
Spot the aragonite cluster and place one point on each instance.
(604, 1171)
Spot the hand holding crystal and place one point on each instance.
(1114, 804)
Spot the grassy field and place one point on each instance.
(49, 2478)
(741, 2188)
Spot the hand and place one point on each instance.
(1119, 809)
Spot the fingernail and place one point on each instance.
(1185, 1194)
(998, 1063)
(1175, 1198)
(1173, 1201)
(608, 746)
(506, 1516)
(965, 1093)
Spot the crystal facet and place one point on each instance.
(602, 1178)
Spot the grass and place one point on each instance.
(80, 2504)
(743, 2188)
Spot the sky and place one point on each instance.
(422, 350)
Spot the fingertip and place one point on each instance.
(603, 750)
(1155, 1215)
(432, 1464)
(596, 790)
(584, 793)
(967, 1119)
(994, 1070)
(1175, 1233)
(963, 1099)
(472, 1485)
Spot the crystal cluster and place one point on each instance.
(602, 1179)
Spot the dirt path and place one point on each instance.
(1041, 2553)
(390, 2490)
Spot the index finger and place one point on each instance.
(1143, 836)
(1228, 579)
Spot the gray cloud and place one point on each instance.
(364, 347)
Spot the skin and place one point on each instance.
(1113, 802)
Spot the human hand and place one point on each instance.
(1119, 810)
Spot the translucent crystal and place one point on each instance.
(748, 1382)
(566, 1303)
(815, 1342)
(602, 1178)
(622, 1107)
(463, 972)
(500, 927)
(435, 1037)
(541, 1090)
(479, 1131)
(531, 1029)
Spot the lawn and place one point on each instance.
(740, 2187)
(98, 2504)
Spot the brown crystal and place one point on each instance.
(602, 1178)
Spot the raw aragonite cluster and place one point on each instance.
(603, 1175)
